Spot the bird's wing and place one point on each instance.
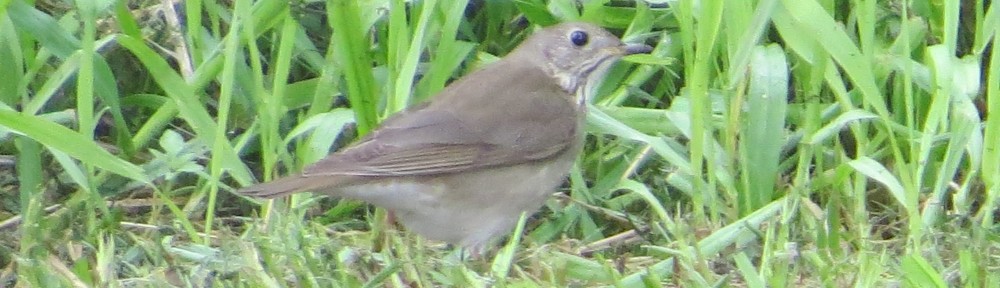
(428, 141)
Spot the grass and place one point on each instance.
(762, 144)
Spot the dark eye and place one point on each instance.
(579, 38)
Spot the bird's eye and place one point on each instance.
(579, 38)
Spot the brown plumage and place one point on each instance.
(462, 167)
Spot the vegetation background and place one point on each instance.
(763, 143)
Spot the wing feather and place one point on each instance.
(447, 136)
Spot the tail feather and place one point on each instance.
(279, 187)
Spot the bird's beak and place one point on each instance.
(634, 48)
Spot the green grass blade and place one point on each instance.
(70, 142)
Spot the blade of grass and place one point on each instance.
(351, 53)
(711, 244)
(188, 104)
(71, 142)
(764, 132)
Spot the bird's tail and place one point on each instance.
(279, 187)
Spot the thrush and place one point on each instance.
(462, 167)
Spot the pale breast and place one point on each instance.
(467, 209)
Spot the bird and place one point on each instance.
(463, 166)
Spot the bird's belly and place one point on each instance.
(467, 209)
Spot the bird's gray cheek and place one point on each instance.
(548, 54)
(556, 55)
